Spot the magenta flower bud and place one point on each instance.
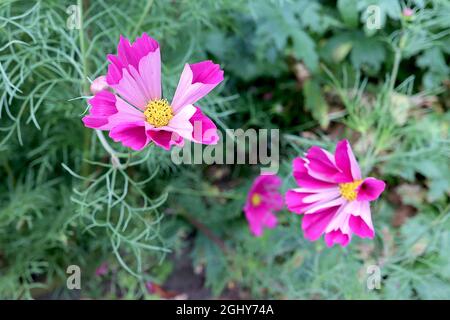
(99, 84)
(408, 12)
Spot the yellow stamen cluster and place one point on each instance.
(158, 112)
(256, 199)
(348, 190)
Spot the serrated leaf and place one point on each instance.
(368, 54)
(305, 49)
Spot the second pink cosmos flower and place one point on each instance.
(263, 201)
(131, 106)
(333, 197)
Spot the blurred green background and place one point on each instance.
(320, 71)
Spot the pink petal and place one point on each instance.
(370, 189)
(196, 81)
(129, 55)
(360, 228)
(295, 201)
(323, 196)
(346, 162)
(270, 221)
(256, 227)
(360, 221)
(338, 237)
(265, 181)
(114, 73)
(322, 162)
(131, 88)
(150, 74)
(205, 131)
(165, 139)
(132, 135)
(206, 72)
(304, 179)
(326, 204)
(258, 219)
(314, 225)
(125, 114)
(103, 105)
(340, 220)
(94, 122)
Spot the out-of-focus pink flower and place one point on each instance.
(262, 201)
(150, 287)
(102, 269)
(407, 12)
(135, 112)
(99, 84)
(333, 197)
(268, 96)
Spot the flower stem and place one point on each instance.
(114, 158)
(85, 85)
(141, 19)
(397, 59)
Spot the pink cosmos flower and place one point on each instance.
(134, 111)
(333, 197)
(102, 269)
(262, 200)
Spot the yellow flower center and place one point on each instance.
(348, 190)
(256, 200)
(158, 113)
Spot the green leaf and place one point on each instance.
(337, 48)
(348, 10)
(315, 102)
(368, 54)
(305, 49)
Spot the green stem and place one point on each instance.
(81, 34)
(397, 59)
(85, 87)
(9, 171)
(114, 158)
(141, 19)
